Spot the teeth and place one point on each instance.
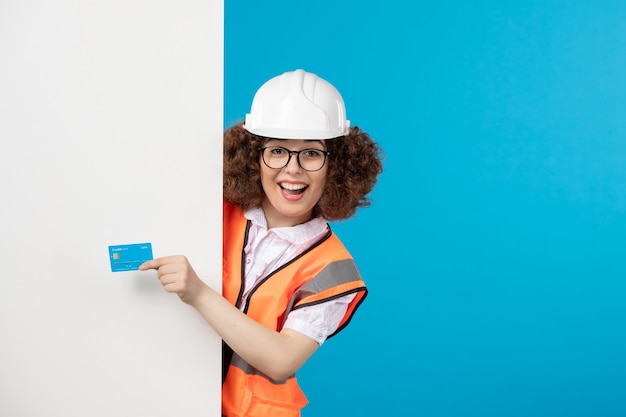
(292, 187)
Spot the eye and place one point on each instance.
(277, 150)
(312, 153)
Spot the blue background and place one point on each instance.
(495, 250)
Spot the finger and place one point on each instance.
(153, 264)
(172, 287)
(168, 269)
(170, 278)
(159, 262)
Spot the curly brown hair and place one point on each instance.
(354, 163)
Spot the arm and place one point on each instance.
(276, 354)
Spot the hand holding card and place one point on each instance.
(177, 276)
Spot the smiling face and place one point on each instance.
(291, 193)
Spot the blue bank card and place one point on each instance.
(129, 257)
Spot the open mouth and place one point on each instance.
(293, 189)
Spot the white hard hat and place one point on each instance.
(297, 105)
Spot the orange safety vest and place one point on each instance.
(323, 272)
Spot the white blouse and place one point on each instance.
(267, 250)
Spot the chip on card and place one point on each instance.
(129, 257)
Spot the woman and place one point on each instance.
(288, 282)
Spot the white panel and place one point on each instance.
(111, 133)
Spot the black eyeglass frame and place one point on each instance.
(290, 152)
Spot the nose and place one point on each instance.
(293, 165)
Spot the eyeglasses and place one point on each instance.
(277, 157)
